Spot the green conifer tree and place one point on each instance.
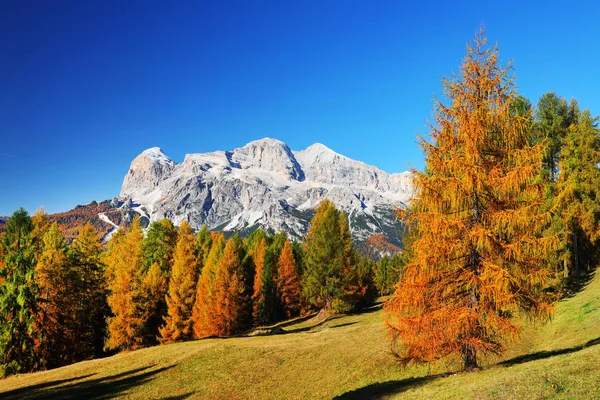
(578, 187)
(19, 295)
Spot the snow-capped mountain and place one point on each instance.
(265, 184)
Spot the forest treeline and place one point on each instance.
(61, 303)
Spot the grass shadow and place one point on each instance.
(278, 330)
(547, 354)
(101, 388)
(341, 325)
(378, 390)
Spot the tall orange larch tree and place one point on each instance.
(231, 290)
(57, 311)
(204, 315)
(258, 294)
(85, 257)
(124, 262)
(478, 257)
(182, 288)
(288, 284)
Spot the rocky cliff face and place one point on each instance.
(265, 184)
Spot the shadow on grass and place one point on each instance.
(577, 283)
(547, 354)
(378, 390)
(367, 310)
(341, 325)
(278, 330)
(101, 388)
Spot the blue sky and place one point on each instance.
(88, 85)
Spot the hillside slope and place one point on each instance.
(345, 356)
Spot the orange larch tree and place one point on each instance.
(231, 291)
(204, 315)
(478, 257)
(86, 260)
(124, 262)
(182, 288)
(56, 280)
(287, 282)
(258, 295)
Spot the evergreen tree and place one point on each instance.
(478, 220)
(124, 265)
(91, 292)
(205, 309)
(358, 274)
(182, 288)
(230, 289)
(387, 273)
(579, 186)
(287, 282)
(203, 244)
(298, 258)
(553, 119)
(323, 279)
(361, 289)
(157, 248)
(19, 296)
(159, 244)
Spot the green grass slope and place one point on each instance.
(345, 356)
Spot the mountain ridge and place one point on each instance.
(265, 184)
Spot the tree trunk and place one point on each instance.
(469, 352)
(469, 358)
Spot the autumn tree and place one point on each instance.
(232, 294)
(478, 257)
(41, 225)
(578, 187)
(262, 285)
(90, 291)
(267, 306)
(287, 282)
(204, 314)
(124, 265)
(182, 288)
(56, 319)
(19, 294)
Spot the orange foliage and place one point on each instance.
(204, 315)
(230, 289)
(182, 288)
(287, 282)
(478, 257)
(124, 263)
(258, 256)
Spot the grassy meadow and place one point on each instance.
(346, 357)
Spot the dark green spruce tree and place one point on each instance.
(19, 295)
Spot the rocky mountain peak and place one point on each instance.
(269, 155)
(265, 184)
